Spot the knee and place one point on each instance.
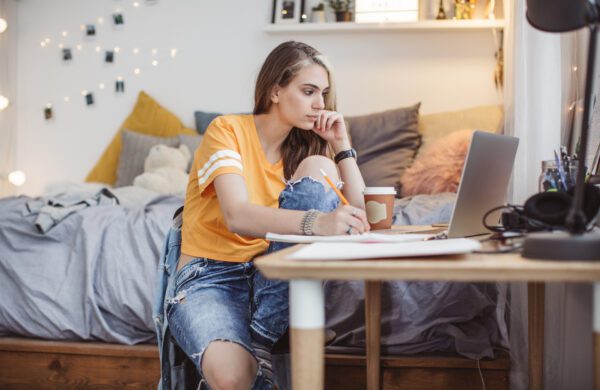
(312, 165)
(230, 381)
(227, 366)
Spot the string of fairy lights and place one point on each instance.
(87, 33)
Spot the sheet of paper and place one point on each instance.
(366, 238)
(351, 251)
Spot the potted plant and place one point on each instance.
(341, 9)
(318, 13)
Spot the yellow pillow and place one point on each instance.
(148, 117)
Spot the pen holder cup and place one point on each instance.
(552, 180)
(379, 204)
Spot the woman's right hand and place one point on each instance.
(343, 220)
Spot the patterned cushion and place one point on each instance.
(135, 149)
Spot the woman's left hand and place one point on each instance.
(331, 127)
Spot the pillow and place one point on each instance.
(435, 126)
(203, 119)
(148, 117)
(135, 148)
(192, 142)
(439, 167)
(386, 143)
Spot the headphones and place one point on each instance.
(546, 211)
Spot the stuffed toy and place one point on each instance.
(439, 167)
(165, 170)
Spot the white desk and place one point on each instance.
(307, 316)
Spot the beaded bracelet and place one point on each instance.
(308, 220)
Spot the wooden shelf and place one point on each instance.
(476, 24)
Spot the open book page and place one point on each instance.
(324, 251)
(365, 238)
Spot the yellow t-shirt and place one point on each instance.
(230, 145)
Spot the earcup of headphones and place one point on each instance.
(550, 208)
(591, 201)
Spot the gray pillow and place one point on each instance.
(203, 119)
(192, 142)
(386, 143)
(134, 150)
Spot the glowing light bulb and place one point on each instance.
(100, 20)
(154, 52)
(173, 52)
(136, 50)
(136, 3)
(101, 86)
(17, 178)
(64, 33)
(60, 45)
(43, 44)
(3, 102)
(79, 47)
(66, 98)
(136, 71)
(3, 25)
(154, 63)
(117, 49)
(98, 48)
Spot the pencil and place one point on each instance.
(344, 200)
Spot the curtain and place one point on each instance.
(8, 88)
(544, 80)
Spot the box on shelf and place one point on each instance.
(386, 11)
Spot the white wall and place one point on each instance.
(221, 45)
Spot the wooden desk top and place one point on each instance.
(470, 267)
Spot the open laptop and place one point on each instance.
(483, 184)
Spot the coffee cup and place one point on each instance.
(379, 204)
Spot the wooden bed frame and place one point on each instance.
(43, 364)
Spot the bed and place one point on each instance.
(80, 295)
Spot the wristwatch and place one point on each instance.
(345, 154)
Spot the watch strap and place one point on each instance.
(345, 154)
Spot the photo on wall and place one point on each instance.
(287, 11)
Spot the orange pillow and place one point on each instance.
(148, 117)
(439, 167)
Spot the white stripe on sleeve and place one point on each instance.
(217, 155)
(228, 162)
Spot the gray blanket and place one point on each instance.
(91, 277)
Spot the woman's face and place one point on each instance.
(303, 98)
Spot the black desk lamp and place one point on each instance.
(561, 16)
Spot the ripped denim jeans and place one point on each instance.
(209, 300)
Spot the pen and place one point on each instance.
(334, 188)
(561, 172)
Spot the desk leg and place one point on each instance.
(307, 324)
(597, 336)
(536, 293)
(373, 329)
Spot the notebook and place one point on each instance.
(331, 251)
(364, 238)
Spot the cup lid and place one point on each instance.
(380, 191)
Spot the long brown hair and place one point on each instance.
(279, 69)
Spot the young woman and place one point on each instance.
(251, 175)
